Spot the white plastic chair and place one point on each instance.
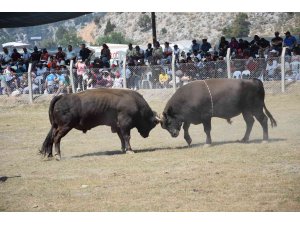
(237, 75)
(295, 67)
(146, 80)
(246, 74)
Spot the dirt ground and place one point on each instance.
(163, 175)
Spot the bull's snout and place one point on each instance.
(174, 133)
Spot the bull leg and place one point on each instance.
(122, 139)
(186, 133)
(48, 144)
(263, 120)
(248, 117)
(61, 132)
(207, 129)
(126, 135)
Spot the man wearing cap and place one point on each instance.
(195, 46)
(276, 42)
(290, 42)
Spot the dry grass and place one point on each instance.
(164, 175)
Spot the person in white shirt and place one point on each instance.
(118, 81)
(70, 54)
(272, 65)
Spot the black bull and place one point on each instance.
(199, 101)
(120, 109)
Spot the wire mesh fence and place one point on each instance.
(76, 78)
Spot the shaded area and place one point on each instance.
(4, 178)
(26, 19)
(119, 152)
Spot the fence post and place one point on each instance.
(124, 72)
(228, 63)
(173, 72)
(71, 76)
(283, 69)
(30, 83)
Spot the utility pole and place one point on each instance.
(153, 27)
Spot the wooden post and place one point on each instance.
(283, 69)
(173, 72)
(124, 72)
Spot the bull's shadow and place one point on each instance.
(216, 143)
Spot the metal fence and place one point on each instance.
(279, 74)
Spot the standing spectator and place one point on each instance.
(81, 69)
(127, 76)
(105, 55)
(118, 81)
(163, 79)
(195, 46)
(157, 53)
(290, 42)
(167, 53)
(176, 53)
(205, 46)
(223, 46)
(276, 42)
(70, 54)
(15, 56)
(139, 56)
(35, 56)
(148, 53)
(26, 57)
(84, 52)
(44, 55)
(130, 53)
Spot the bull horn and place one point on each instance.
(158, 118)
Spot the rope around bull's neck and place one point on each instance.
(212, 103)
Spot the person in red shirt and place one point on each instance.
(60, 55)
(44, 55)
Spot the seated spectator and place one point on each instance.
(185, 79)
(272, 65)
(163, 80)
(15, 56)
(233, 45)
(264, 47)
(223, 46)
(254, 46)
(205, 46)
(60, 55)
(44, 55)
(296, 55)
(290, 42)
(51, 82)
(167, 53)
(195, 46)
(26, 58)
(118, 81)
(35, 86)
(277, 42)
(6, 56)
(252, 66)
(52, 63)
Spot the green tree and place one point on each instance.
(67, 36)
(114, 38)
(109, 27)
(144, 22)
(240, 27)
(48, 43)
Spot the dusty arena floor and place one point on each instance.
(163, 175)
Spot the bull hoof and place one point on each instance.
(206, 145)
(129, 152)
(188, 141)
(265, 142)
(243, 141)
(57, 157)
(47, 158)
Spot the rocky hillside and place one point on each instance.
(180, 26)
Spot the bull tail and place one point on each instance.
(273, 121)
(48, 142)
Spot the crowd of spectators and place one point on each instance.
(258, 57)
